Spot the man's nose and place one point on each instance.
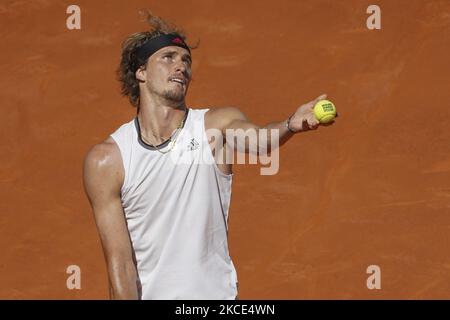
(180, 66)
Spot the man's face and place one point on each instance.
(168, 73)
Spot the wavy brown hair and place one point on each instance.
(129, 62)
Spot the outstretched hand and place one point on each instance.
(304, 119)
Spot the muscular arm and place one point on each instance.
(103, 177)
(302, 119)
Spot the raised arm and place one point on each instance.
(103, 177)
(302, 119)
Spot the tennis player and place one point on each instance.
(163, 224)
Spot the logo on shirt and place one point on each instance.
(193, 145)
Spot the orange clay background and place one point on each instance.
(373, 189)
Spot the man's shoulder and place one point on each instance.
(220, 117)
(223, 112)
(103, 171)
(104, 156)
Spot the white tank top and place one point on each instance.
(177, 214)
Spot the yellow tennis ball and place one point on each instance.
(325, 111)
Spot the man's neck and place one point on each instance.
(158, 121)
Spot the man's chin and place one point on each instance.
(174, 96)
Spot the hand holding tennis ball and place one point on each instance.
(325, 111)
(311, 114)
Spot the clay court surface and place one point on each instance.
(373, 189)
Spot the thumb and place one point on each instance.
(313, 102)
(321, 97)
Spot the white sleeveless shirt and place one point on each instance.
(176, 207)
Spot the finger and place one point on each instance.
(310, 123)
(321, 97)
(312, 120)
(313, 123)
(314, 126)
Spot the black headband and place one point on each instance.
(161, 41)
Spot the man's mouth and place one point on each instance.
(178, 80)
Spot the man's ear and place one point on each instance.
(140, 74)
